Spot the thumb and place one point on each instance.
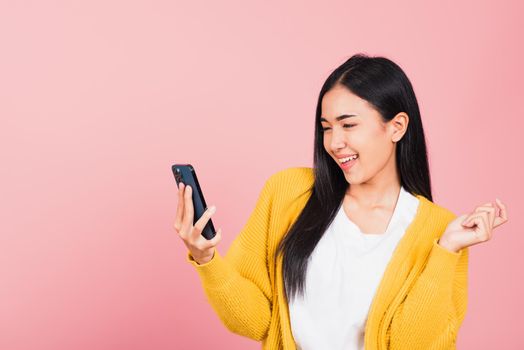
(469, 222)
(215, 240)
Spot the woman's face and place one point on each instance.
(364, 134)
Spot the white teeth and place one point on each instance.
(343, 160)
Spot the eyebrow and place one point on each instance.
(340, 117)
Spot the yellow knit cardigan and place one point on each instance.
(420, 302)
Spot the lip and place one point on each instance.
(345, 155)
(348, 165)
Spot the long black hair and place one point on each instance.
(386, 87)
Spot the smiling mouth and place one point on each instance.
(347, 159)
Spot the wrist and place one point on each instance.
(204, 260)
(444, 243)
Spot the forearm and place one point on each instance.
(240, 304)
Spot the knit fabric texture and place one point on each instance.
(420, 302)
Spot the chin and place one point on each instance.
(350, 179)
(353, 180)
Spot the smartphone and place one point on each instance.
(186, 173)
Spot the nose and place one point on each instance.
(337, 140)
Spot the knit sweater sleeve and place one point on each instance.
(433, 310)
(237, 285)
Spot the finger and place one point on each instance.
(470, 220)
(180, 207)
(187, 222)
(470, 216)
(484, 207)
(503, 213)
(480, 221)
(214, 241)
(202, 221)
(490, 210)
(484, 232)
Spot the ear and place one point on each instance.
(399, 125)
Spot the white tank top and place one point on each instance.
(343, 274)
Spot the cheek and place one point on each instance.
(326, 144)
(377, 151)
(370, 146)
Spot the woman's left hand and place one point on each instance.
(476, 227)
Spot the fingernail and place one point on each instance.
(212, 209)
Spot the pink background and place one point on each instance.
(99, 98)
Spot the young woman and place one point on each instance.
(352, 253)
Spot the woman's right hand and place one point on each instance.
(200, 248)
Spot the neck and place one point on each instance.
(379, 192)
(374, 197)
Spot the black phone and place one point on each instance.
(186, 173)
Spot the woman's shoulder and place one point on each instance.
(303, 174)
(291, 182)
(295, 177)
(437, 210)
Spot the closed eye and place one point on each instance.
(345, 125)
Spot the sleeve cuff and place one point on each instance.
(215, 273)
(441, 262)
